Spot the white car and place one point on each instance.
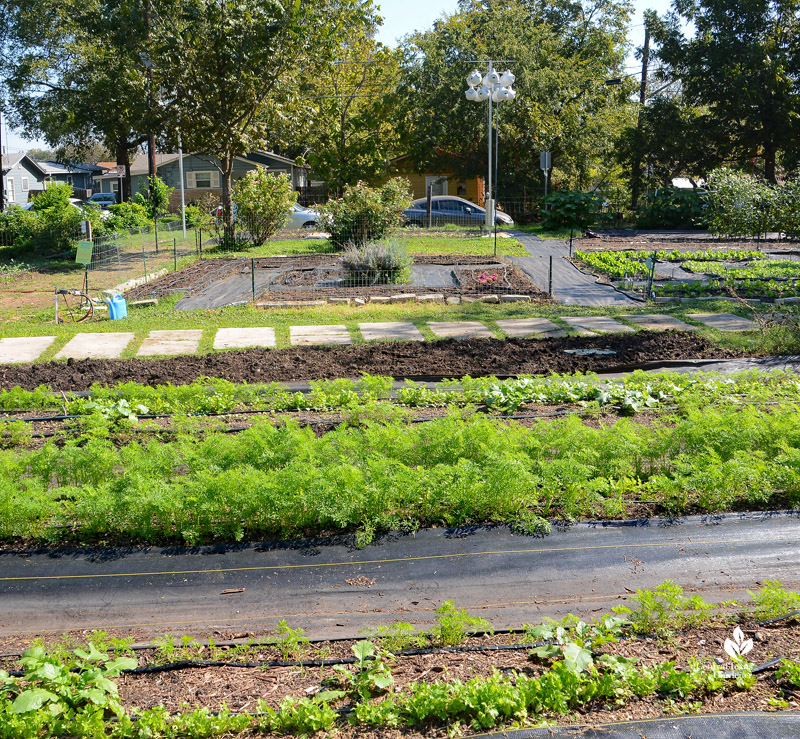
(81, 205)
(299, 217)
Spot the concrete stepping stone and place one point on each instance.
(184, 341)
(394, 330)
(724, 321)
(586, 325)
(335, 334)
(242, 338)
(537, 327)
(659, 322)
(23, 348)
(460, 330)
(96, 346)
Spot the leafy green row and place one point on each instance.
(744, 287)
(765, 269)
(627, 264)
(211, 395)
(281, 480)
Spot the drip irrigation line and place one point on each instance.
(778, 619)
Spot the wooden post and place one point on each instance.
(429, 195)
(550, 277)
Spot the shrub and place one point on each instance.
(739, 203)
(377, 264)
(263, 203)
(365, 214)
(672, 206)
(196, 217)
(155, 199)
(52, 197)
(571, 209)
(127, 216)
(18, 227)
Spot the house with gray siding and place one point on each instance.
(200, 172)
(22, 178)
(79, 177)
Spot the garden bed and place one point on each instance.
(322, 276)
(445, 358)
(669, 655)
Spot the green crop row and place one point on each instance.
(209, 395)
(631, 263)
(764, 269)
(280, 480)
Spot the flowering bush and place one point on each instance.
(263, 203)
(365, 214)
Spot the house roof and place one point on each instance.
(11, 160)
(139, 166)
(58, 168)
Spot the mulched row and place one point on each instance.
(445, 358)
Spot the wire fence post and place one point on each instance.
(253, 276)
(155, 230)
(175, 253)
(200, 242)
(144, 262)
(550, 277)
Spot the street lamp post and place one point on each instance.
(494, 88)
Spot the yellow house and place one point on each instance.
(443, 182)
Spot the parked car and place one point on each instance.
(299, 217)
(302, 217)
(448, 209)
(103, 199)
(81, 205)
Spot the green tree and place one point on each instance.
(354, 137)
(74, 74)
(564, 52)
(238, 68)
(155, 200)
(743, 63)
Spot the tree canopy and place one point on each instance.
(562, 54)
(743, 63)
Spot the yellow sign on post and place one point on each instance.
(84, 254)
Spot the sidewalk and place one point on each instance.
(570, 285)
(111, 345)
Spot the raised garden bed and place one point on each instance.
(321, 276)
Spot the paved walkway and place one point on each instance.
(570, 285)
(110, 345)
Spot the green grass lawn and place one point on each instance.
(163, 316)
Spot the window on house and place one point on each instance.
(438, 183)
(10, 188)
(200, 180)
(25, 184)
(69, 179)
(114, 185)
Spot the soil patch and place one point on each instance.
(444, 358)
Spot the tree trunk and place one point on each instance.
(769, 163)
(123, 160)
(227, 200)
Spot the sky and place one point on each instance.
(402, 17)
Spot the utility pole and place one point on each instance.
(2, 179)
(636, 169)
(151, 137)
